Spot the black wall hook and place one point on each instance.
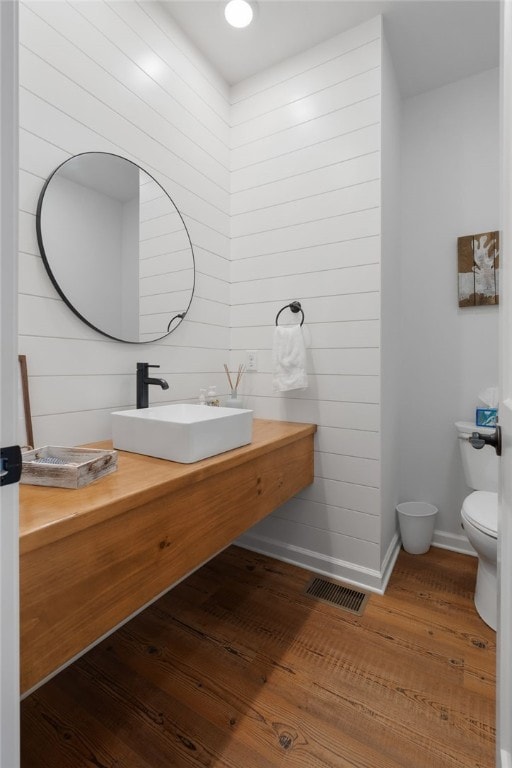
(294, 306)
(181, 315)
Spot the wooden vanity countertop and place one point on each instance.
(48, 514)
(105, 551)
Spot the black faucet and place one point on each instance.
(143, 382)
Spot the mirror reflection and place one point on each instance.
(116, 247)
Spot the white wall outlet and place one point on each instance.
(252, 360)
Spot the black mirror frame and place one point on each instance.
(46, 263)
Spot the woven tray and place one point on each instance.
(63, 467)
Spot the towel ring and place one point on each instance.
(294, 306)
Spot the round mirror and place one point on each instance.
(116, 247)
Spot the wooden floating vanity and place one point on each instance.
(90, 558)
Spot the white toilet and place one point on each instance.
(480, 517)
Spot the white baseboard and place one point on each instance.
(364, 578)
(457, 542)
(390, 559)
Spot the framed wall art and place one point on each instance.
(478, 260)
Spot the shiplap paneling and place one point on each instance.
(349, 280)
(86, 357)
(337, 493)
(348, 415)
(336, 151)
(337, 519)
(283, 74)
(361, 306)
(101, 113)
(123, 63)
(352, 91)
(172, 46)
(349, 442)
(348, 253)
(339, 335)
(306, 217)
(333, 466)
(355, 197)
(323, 542)
(353, 117)
(300, 186)
(284, 205)
(68, 394)
(120, 78)
(350, 225)
(391, 303)
(154, 42)
(335, 362)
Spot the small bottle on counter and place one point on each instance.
(211, 396)
(235, 401)
(202, 397)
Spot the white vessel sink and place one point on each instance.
(181, 432)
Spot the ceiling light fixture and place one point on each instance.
(238, 13)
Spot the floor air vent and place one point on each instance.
(334, 593)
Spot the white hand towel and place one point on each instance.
(289, 357)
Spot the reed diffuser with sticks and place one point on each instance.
(234, 401)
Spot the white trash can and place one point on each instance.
(417, 520)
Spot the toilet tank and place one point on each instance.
(480, 465)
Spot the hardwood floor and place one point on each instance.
(237, 668)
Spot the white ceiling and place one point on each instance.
(433, 42)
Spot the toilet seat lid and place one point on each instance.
(481, 509)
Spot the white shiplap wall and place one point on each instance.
(306, 216)
(392, 365)
(282, 205)
(119, 77)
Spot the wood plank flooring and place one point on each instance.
(237, 668)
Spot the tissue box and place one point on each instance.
(486, 417)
